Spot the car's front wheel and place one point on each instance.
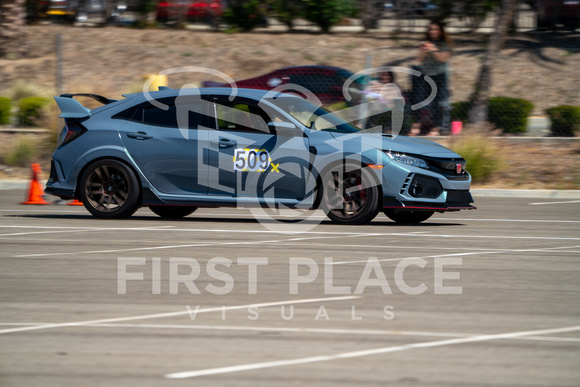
(350, 195)
(109, 189)
(173, 212)
(408, 217)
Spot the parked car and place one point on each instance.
(176, 150)
(551, 13)
(412, 8)
(323, 81)
(62, 10)
(207, 11)
(93, 11)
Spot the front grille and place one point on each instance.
(448, 167)
(458, 197)
(425, 187)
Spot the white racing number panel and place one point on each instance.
(251, 160)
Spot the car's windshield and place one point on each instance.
(312, 116)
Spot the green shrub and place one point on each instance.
(30, 110)
(143, 9)
(327, 13)
(459, 111)
(482, 155)
(508, 114)
(286, 11)
(244, 14)
(565, 120)
(5, 106)
(21, 153)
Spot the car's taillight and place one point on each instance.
(72, 130)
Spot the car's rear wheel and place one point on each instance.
(173, 212)
(349, 195)
(408, 217)
(109, 189)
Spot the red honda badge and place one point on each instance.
(458, 168)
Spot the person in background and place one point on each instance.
(433, 57)
(382, 95)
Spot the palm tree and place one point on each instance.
(12, 28)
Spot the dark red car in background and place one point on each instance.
(551, 13)
(325, 82)
(187, 10)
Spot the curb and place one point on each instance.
(476, 192)
(526, 193)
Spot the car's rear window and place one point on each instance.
(169, 112)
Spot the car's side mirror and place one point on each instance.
(283, 128)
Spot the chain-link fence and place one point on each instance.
(413, 16)
(402, 100)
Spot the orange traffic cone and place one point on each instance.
(35, 191)
(75, 202)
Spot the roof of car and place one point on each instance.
(240, 92)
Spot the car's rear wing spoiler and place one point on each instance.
(71, 108)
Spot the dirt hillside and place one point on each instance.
(112, 61)
(536, 66)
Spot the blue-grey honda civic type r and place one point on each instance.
(175, 150)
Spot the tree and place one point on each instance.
(244, 14)
(326, 13)
(287, 11)
(478, 111)
(369, 11)
(12, 28)
(144, 9)
(474, 12)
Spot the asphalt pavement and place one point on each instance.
(233, 297)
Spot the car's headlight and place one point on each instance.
(409, 160)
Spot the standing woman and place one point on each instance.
(434, 55)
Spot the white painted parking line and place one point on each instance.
(389, 247)
(541, 203)
(65, 230)
(376, 351)
(166, 247)
(334, 233)
(204, 230)
(507, 220)
(364, 332)
(241, 214)
(173, 314)
(279, 241)
(547, 249)
(40, 232)
(459, 236)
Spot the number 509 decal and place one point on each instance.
(253, 160)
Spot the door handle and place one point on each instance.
(139, 135)
(224, 143)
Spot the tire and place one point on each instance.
(109, 189)
(173, 212)
(408, 217)
(350, 195)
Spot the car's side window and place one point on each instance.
(171, 113)
(155, 116)
(241, 116)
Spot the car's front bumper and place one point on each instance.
(411, 188)
(455, 200)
